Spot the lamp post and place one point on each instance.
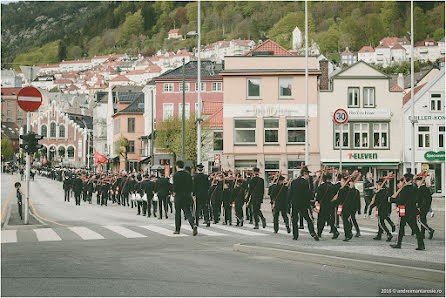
(183, 149)
(307, 156)
(412, 87)
(199, 87)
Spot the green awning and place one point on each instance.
(362, 164)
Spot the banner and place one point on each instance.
(99, 158)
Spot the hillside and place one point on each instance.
(48, 32)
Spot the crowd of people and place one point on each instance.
(329, 194)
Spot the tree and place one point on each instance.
(121, 148)
(283, 29)
(133, 26)
(438, 34)
(7, 150)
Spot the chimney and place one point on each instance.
(323, 79)
(400, 80)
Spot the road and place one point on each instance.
(90, 250)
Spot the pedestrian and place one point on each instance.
(324, 206)
(238, 195)
(201, 195)
(66, 187)
(256, 191)
(279, 200)
(77, 189)
(368, 194)
(227, 201)
(182, 189)
(162, 189)
(424, 201)
(383, 210)
(18, 186)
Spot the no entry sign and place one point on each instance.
(340, 116)
(29, 99)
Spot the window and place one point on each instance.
(436, 105)
(295, 131)
(186, 110)
(130, 124)
(8, 113)
(53, 130)
(116, 126)
(43, 131)
(203, 87)
(253, 87)
(70, 152)
(271, 168)
(19, 112)
(293, 166)
(186, 85)
(271, 128)
(131, 147)
(8, 103)
(218, 140)
(168, 87)
(424, 137)
(380, 135)
(441, 136)
(353, 97)
(361, 135)
(20, 122)
(345, 135)
(61, 131)
(167, 111)
(285, 86)
(245, 131)
(216, 86)
(369, 97)
(196, 108)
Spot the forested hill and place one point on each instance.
(48, 32)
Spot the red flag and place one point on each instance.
(99, 158)
(44, 160)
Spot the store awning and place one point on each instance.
(363, 164)
(145, 159)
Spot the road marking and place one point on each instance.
(203, 231)
(10, 197)
(9, 236)
(125, 232)
(43, 218)
(163, 231)
(239, 231)
(85, 233)
(46, 234)
(283, 232)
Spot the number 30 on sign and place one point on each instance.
(340, 116)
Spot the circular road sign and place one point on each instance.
(29, 99)
(340, 116)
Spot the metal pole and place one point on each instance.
(341, 143)
(306, 85)
(183, 148)
(412, 87)
(28, 168)
(152, 143)
(199, 88)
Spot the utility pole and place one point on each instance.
(152, 144)
(199, 88)
(183, 148)
(307, 156)
(412, 87)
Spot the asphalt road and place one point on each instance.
(90, 250)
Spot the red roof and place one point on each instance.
(389, 41)
(153, 68)
(49, 66)
(398, 47)
(10, 91)
(383, 46)
(215, 110)
(172, 31)
(183, 53)
(136, 72)
(72, 88)
(62, 81)
(120, 78)
(75, 61)
(396, 87)
(406, 97)
(366, 49)
(423, 42)
(270, 46)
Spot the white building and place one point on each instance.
(367, 54)
(10, 79)
(383, 55)
(347, 57)
(427, 50)
(218, 50)
(429, 130)
(372, 137)
(397, 54)
(75, 65)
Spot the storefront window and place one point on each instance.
(245, 131)
(380, 135)
(296, 131)
(271, 128)
(345, 135)
(218, 140)
(361, 135)
(424, 137)
(271, 168)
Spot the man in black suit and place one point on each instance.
(182, 189)
(300, 195)
(77, 189)
(201, 194)
(66, 187)
(163, 189)
(149, 188)
(256, 191)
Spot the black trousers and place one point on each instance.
(202, 205)
(257, 213)
(182, 203)
(98, 198)
(367, 200)
(304, 213)
(346, 216)
(150, 204)
(276, 212)
(162, 200)
(104, 199)
(424, 225)
(326, 215)
(19, 205)
(412, 222)
(354, 222)
(249, 212)
(139, 205)
(228, 211)
(239, 211)
(67, 195)
(77, 197)
(216, 208)
(382, 225)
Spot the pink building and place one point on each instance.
(264, 111)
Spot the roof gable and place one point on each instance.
(361, 69)
(270, 46)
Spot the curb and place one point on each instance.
(364, 265)
(8, 215)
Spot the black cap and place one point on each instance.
(281, 178)
(380, 180)
(200, 166)
(408, 176)
(419, 178)
(256, 170)
(305, 170)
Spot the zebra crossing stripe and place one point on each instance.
(238, 230)
(85, 233)
(127, 233)
(46, 234)
(9, 236)
(163, 231)
(203, 231)
(283, 232)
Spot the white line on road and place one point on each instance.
(46, 234)
(9, 236)
(125, 232)
(163, 231)
(239, 231)
(85, 233)
(203, 231)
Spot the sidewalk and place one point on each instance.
(13, 218)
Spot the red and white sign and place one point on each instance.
(216, 159)
(29, 99)
(340, 116)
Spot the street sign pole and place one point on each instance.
(341, 141)
(340, 117)
(28, 168)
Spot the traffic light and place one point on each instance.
(26, 144)
(31, 142)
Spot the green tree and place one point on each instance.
(7, 149)
(133, 26)
(438, 34)
(283, 29)
(121, 148)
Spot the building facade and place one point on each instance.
(429, 131)
(11, 112)
(372, 137)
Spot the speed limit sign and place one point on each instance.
(340, 116)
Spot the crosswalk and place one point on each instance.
(142, 231)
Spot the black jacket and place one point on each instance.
(300, 193)
(201, 186)
(368, 192)
(382, 203)
(182, 183)
(325, 193)
(407, 197)
(278, 196)
(77, 185)
(149, 188)
(256, 188)
(162, 187)
(424, 198)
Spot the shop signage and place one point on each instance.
(267, 110)
(368, 113)
(363, 155)
(429, 118)
(431, 155)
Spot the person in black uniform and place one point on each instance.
(17, 186)
(201, 194)
(249, 210)
(368, 194)
(324, 207)
(89, 189)
(215, 194)
(424, 199)
(66, 187)
(163, 189)
(125, 190)
(77, 189)
(300, 195)
(227, 201)
(279, 200)
(356, 208)
(383, 209)
(149, 188)
(182, 189)
(405, 198)
(105, 188)
(238, 195)
(256, 191)
(346, 202)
